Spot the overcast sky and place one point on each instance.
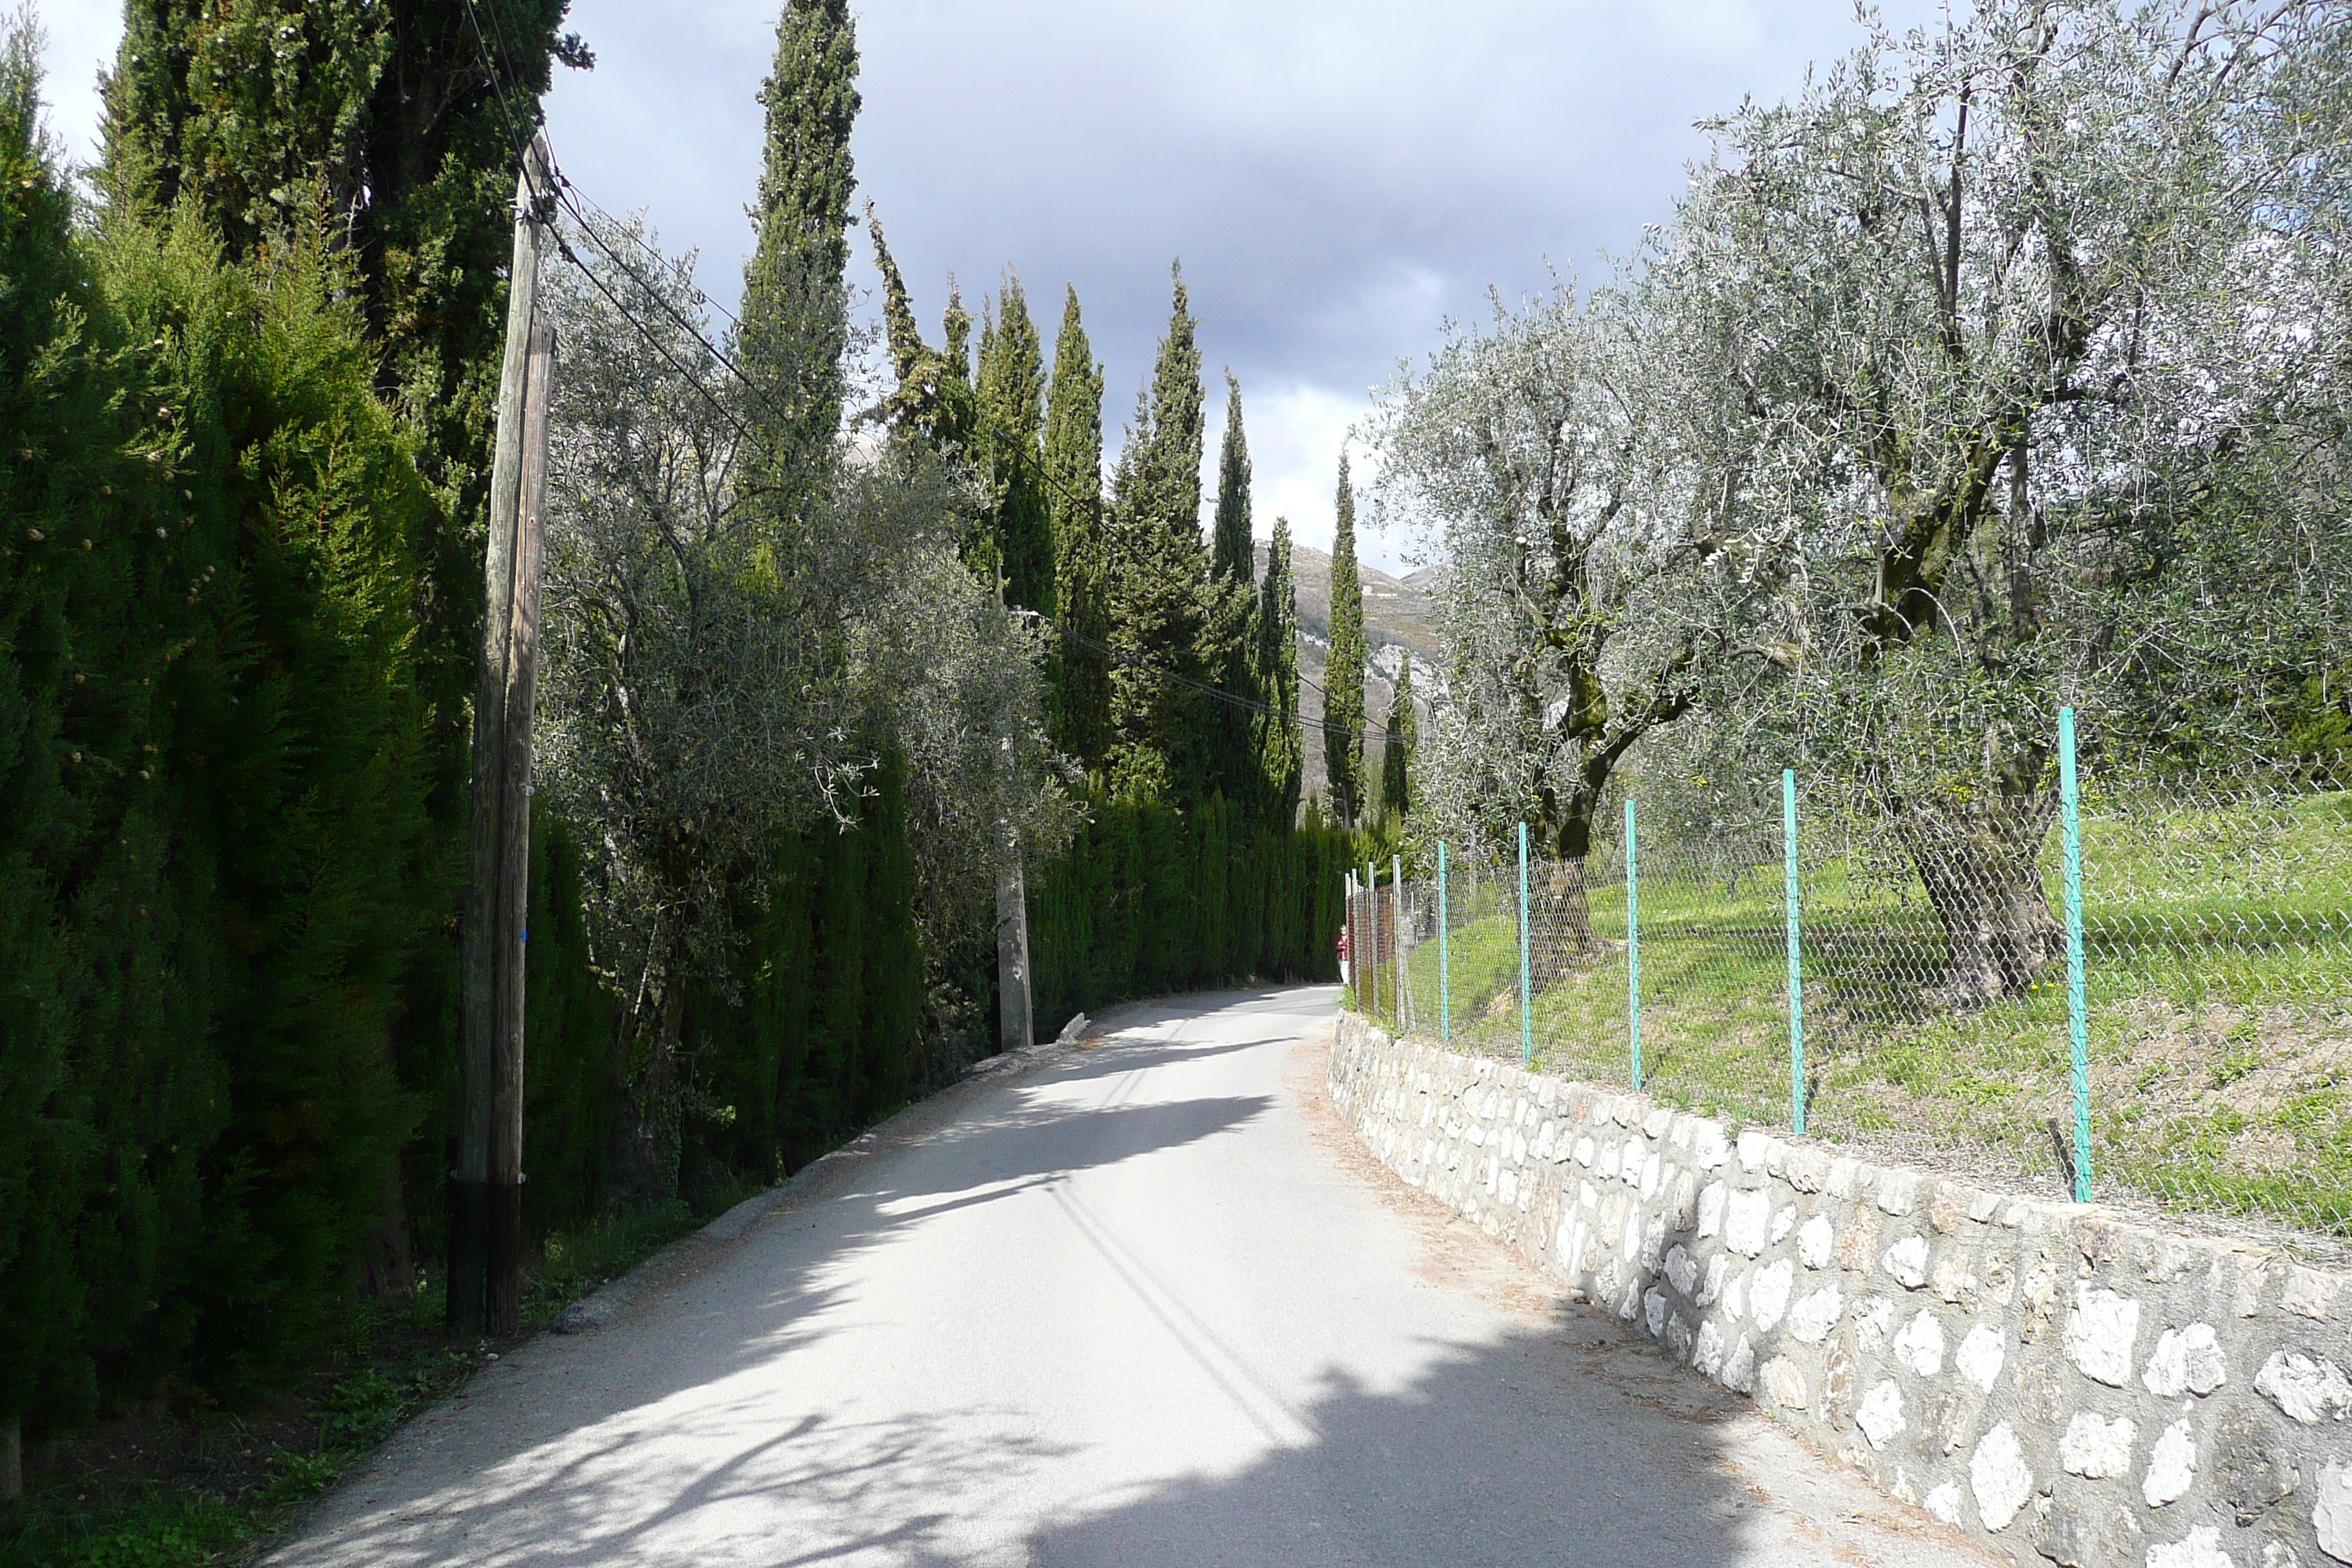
(1337, 176)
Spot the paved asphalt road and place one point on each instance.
(1144, 1304)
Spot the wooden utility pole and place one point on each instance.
(485, 1190)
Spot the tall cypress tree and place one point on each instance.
(1156, 563)
(1012, 388)
(1343, 676)
(1228, 610)
(1230, 556)
(1280, 748)
(1396, 748)
(1081, 711)
(934, 398)
(795, 296)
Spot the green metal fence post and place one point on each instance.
(2077, 1025)
(1526, 1019)
(1396, 935)
(1796, 969)
(1632, 949)
(1355, 938)
(1444, 971)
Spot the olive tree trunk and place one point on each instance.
(1980, 864)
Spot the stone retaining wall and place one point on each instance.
(2071, 1386)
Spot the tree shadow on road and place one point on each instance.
(671, 1437)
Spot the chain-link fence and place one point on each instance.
(1905, 979)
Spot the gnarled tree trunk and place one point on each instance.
(1980, 863)
(1560, 921)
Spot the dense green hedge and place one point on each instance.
(230, 863)
(1149, 899)
(216, 855)
(229, 868)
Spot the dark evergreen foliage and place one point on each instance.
(1343, 675)
(1150, 899)
(1155, 577)
(1012, 393)
(1080, 714)
(1281, 749)
(1396, 748)
(795, 299)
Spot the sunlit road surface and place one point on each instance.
(1145, 1304)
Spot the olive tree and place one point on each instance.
(728, 657)
(1579, 607)
(1953, 326)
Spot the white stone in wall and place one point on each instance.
(1584, 1152)
(2331, 1511)
(1979, 1356)
(1629, 1168)
(1783, 1384)
(1713, 1286)
(1744, 1220)
(1707, 1356)
(1604, 1165)
(1755, 1144)
(1735, 1298)
(1943, 1502)
(1710, 1209)
(2201, 1549)
(2096, 1447)
(1954, 1281)
(2099, 1334)
(1906, 1260)
(1652, 1175)
(1810, 1320)
(2309, 1388)
(2186, 1360)
(1710, 1147)
(2277, 1554)
(1566, 1244)
(2171, 1465)
(2308, 1293)
(1783, 1223)
(1817, 1242)
(1899, 1191)
(1633, 1301)
(1681, 1269)
(1999, 1477)
(1508, 1188)
(1586, 1197)
(1872, 1320)
(1544, 1138)
(1654, 1245)
(1739, 1370)
(1881, 1415)
(1629, 1244)
(1653, 1308)
(1920, 1345)
(1768, 1293)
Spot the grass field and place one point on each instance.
(2218, 943)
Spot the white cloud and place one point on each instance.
(1295, 432)
(81, 36)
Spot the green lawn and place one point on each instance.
(2218, 996)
